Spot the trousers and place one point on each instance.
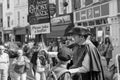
(3, 74)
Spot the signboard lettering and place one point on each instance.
(38, 10)
(40, 28)
(96, 11)
(61, 20)
(92, 12)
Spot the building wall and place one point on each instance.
(21, 12)
(113, 22)
(8, 12)
(62, 9)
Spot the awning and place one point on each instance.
(20, 31)
(57, 31)
(8, 31)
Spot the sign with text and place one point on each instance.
(38, 11)
(40, 28)
(52, 8)
(96, 11)
(61, 20)
(92, 12)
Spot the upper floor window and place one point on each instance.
(8, 4)
(8, 21)
(18, 18)
(18, 1)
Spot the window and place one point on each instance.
(85, 23)
(8, 19)
(18, 1)
(18, 18)
(91, 23)
(8, 4)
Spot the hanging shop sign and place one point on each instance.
(118, 4)
(93, 12)
(38, 11)
(40, 28)
(61, 20)
(52, 8)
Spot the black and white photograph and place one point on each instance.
(59, 39)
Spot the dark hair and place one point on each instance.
(64, 54)
(107, 38)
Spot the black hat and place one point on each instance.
(64, 54)
(79, 30)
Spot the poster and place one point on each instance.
(38, 11)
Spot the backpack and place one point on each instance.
(53, 76)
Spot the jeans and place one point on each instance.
(3, 74)
(40, 76)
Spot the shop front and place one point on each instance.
(21, 34)
(59, 26)
(8, 35)
(95, 18)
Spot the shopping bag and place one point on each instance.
(19, 68)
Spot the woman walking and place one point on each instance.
(21, 64)
(108, 48)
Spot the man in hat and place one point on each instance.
(86, 58)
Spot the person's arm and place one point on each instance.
(8, 62)
(66, 76)
(14, 61)
(26, 59)
(85, 66)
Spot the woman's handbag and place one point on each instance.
(22, 68)
(19, 68)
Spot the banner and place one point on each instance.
(40, 28)
(38, 11)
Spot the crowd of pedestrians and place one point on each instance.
(75, 58)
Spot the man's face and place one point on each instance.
(78, 39)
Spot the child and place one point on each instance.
(60, 70)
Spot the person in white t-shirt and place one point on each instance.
(4, 64)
